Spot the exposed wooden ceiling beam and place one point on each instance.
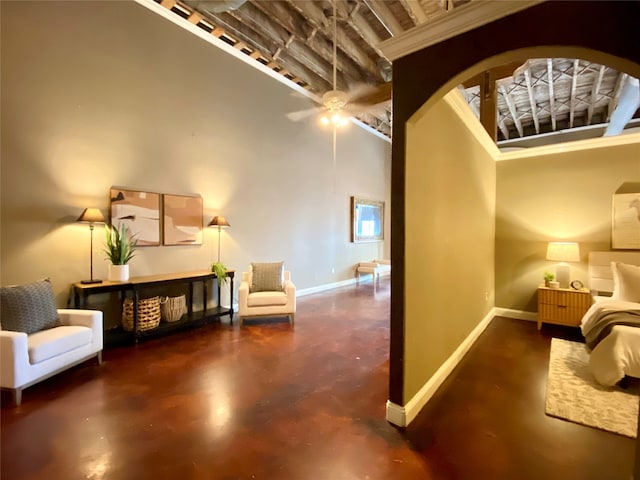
(594, 93)
(574, 83)
(504, 129)
(467, 98)
(512, 109)
(488, 105)
(271, 50)
(415, 11)
(552, 107)
(362, 28)
(315, 47)
(316, 17)
(532, 100)
(499, 73)
(384, 15)
(613, 102)
(251, 25)
(194, 18)
(260, 17)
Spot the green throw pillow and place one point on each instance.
(267, 277)
(28, 308)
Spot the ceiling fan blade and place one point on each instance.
(370, 94)
(358, 91)
(301, 114)
(379, 110)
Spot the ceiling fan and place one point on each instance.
(337, 105)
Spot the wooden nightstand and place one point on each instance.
(562, 306)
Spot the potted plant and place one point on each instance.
(221, 272)
(548, 277)
(119, 249)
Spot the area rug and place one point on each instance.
(574, 395)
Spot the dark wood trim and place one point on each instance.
(606, 30)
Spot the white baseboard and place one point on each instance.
(404, 415)
(518, 314)
(326, 286)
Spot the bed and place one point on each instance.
(611, 326)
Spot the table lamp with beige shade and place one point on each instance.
(563, 252)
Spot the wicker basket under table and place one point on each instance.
(148, 314)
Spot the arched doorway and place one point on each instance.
(604, 34)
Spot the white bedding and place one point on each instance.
(619, 353)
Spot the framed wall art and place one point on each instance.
(625, 224)
(139, 211)
(367, 220)
(182, 220)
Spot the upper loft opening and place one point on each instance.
(545, 101)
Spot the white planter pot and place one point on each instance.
(554, 284)
(118, 273)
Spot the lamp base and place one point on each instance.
(89, 282)
(563, 274)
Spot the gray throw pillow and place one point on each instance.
(28, 308)
(267, 277)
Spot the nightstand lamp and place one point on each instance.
(563, 252)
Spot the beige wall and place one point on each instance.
(564, 196)
(96, 94)
(449, 251)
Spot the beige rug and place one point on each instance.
(574, 395)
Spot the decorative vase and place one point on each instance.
(118, 273)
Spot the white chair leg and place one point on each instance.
(292, 318)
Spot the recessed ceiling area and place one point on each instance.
(552, 100)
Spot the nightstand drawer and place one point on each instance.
(566, 298)
(560, 314)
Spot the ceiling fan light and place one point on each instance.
(343, 122)
(324, 120)
(336, 118)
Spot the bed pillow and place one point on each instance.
(267, 277)
(28, 308)
(627, 282)
(616, 282)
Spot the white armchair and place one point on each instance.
(26, 359)
(266, 303)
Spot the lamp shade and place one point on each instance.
(219, 221)
(563, 252)
(91, 215)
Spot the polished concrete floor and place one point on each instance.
(274, 401)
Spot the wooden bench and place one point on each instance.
(374, 268)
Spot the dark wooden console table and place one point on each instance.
(135, 285)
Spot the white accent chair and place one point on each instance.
(28, 359)
(266, 304)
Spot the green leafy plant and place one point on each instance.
(119, 248)
(548, 276)
(221, 272)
